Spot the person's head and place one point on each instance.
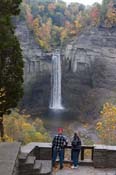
(76, 134)
(60, 130)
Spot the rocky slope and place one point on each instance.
(90, 74)
(37, 68)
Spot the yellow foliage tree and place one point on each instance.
(106, 127)
(111, 17)
(18, 128)
(43, 33)
(36, 26)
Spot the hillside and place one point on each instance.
(88, 60)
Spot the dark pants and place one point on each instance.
(75, 156)
(59, 153)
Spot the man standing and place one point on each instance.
(58, 144)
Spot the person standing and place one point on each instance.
(75, 150)
(58, 144)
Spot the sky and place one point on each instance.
(85, 2)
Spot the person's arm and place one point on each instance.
(80, 143)
(53, 142)
(66, 141)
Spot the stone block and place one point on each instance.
(104, 156)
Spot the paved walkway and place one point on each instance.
(8, 157)
(85, 170)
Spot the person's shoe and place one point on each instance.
(72, 167)
(76, 167)
(61, 167)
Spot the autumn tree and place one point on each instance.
(106, 126)
(111, 15)
(95, 14)
(18, 127)
(66, 21)
(11, 61)
(28, 14)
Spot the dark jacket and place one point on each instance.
(76, 143)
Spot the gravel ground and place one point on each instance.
(85, 170)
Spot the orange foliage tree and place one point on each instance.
(95, 14)
(106, 127)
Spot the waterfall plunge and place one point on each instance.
(55, 102)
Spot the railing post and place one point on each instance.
(92, 153)
(82, 153)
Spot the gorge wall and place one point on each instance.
(37, 68)
(88, 72)
(91, 71)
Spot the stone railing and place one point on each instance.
(35, 158)
(104, 156)
(86, 155)
(83, 149)
(100, 155)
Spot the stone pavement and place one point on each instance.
(85, 170)
(8, 156)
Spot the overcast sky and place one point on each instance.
(85, 2)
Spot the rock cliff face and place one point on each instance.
(95, 53)
(35, 60)
(88, 72)
(37, 68)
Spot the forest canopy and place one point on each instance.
(54, 23)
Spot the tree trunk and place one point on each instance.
(1, 127)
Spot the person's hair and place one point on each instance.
(60, 130)
(76, 135)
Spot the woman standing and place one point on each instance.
(76, 147)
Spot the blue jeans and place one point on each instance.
(75, 156)
(59, 153)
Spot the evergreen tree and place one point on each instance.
(11, 61)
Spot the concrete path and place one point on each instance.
(85, 170)
(8, 156)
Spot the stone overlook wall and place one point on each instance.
(104, 156)
(35, 158)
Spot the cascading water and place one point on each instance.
(55, 102)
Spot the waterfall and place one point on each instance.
(55, 102)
